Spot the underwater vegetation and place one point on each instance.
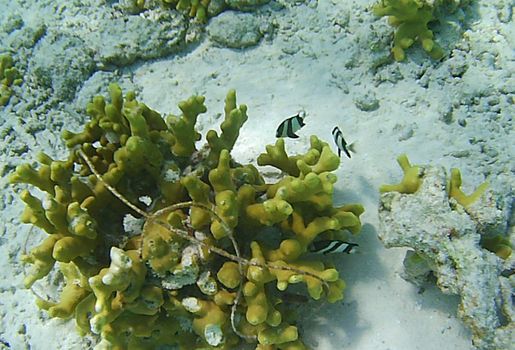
(9, 76)
(163, 244)
(460, 240)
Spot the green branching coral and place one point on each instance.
(199, 273)
(411, 19)
(9, 76)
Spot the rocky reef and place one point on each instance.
(461, 241)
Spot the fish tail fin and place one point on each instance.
(352, 147)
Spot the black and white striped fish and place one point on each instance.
(341, 143)
(290, 126)
(332, 246)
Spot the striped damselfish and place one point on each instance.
(341, 143)
(332, 246)
(290, 126)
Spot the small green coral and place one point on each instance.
(411, 180)
(411, 19)
(454, 188)
(9, 76)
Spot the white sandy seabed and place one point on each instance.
(330, 58)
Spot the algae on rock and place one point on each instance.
(447, 232)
